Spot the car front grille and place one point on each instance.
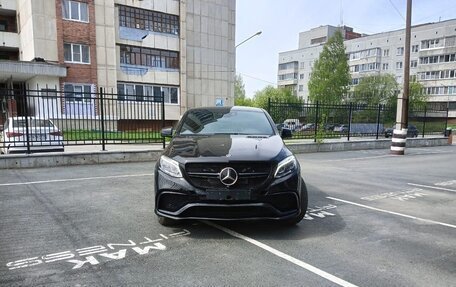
(251, 175)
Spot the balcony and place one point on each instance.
(9, 39)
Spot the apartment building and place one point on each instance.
(138, 50)
(433, 62)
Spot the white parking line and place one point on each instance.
(75, 179)
(282, 255)
(392, 212)
(432, 187)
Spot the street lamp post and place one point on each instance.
(256, 34)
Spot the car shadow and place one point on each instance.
(322, 219)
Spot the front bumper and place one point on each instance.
(178, 199)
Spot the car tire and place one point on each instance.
(165, 221)
(304, 202)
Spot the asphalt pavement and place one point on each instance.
(373, 220)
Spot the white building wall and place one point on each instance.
(388, 44)
(37, 30)
(210, 52)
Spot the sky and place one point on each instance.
(280, 22)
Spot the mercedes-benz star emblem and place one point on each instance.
(228, 176)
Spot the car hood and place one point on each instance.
(224, 148)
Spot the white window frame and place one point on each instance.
(84, 99)
(70, 7)
(400, 51)
(73, 49)
(399, 65)
(134, 97)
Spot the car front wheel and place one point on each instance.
(304, 202)
(165, 221)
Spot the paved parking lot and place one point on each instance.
(373, 220)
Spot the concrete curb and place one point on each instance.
(363, 145)
(100, 157)
(76, 158)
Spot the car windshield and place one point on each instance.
(225, 121)
(38, 123)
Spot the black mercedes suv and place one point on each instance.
(228, 163)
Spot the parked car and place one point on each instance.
(43, 135)
(412, 131)
(292, 124)
(308, 127)
(341, 128)
(228, 164)
(330, 127)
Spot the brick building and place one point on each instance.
(183, 50)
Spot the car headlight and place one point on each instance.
(169, 166)
(286, 166)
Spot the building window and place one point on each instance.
(450, 41)
(147, 93)
(76, 11)
(3, 25)
(148, 20)
(301, 88)
(398, 65)
(301, 76)
(386, 52)
(154, 58)
(76, 53)
(431, 44)
(364, 54)
(77, 92)
(413, 63)
(288, 66)
(400, 51)
(290, 76)
(415, 48)
(385, 66)
(317, 40)
(302, 65)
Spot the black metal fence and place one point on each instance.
(320, 121)
(44, 119)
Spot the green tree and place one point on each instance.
(330, 78)
(262, 97)
(261, 100)
(239, 93)
(376, 89)
(417, 96)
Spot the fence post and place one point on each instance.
(316, 121)
(24, 92)
(349, 121)
(269, 105)
(378, 119)
(163, 115)
(424, 120)
(103, 140)
(446, 119)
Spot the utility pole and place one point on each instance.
(400, 131)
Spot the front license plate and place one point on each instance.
(228, 195)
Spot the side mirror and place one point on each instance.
(167, 132)
(286, 133)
